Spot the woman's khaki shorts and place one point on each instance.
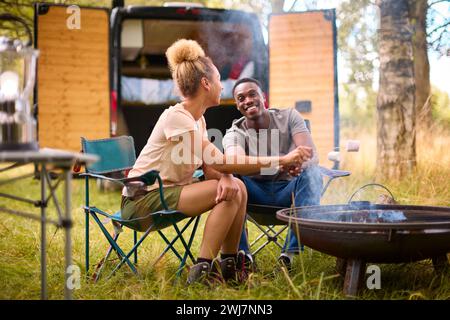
(148, 203)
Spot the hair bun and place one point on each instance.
(183, 50)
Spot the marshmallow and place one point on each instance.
(353, 145)
(334, 156)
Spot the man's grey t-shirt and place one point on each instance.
(275, 141)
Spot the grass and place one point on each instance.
(313, 276)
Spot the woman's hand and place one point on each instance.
(227, 188)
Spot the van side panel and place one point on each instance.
(73, 78)
(303, 72)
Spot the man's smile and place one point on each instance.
(249, 108)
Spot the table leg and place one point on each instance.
(67, 227)
(44, 295)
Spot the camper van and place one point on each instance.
(103, 72)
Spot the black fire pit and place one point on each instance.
(361, 232)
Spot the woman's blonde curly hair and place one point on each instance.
(188, 64)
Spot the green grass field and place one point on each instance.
(313, 275)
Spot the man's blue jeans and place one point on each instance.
(307, 188)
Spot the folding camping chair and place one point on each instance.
(117, 156)
(264, 217)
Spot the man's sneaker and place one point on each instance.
(245, 266)
(199, 273)
(285, 261)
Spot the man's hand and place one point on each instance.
(293, 170)
(227, 188)
(297, 156)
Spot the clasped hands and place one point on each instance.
(227, 188)
(293, 161)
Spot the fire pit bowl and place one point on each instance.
(361, 232)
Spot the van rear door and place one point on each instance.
(303, 72)
(72, 88)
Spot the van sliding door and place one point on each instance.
(73, 75)
(303, 72)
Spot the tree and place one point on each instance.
(418, 19)
(396, 141)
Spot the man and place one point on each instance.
(275, 132)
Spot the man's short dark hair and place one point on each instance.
(244, 80)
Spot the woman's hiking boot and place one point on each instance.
(199, 273)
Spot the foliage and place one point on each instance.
(356, 107)
(440, 106)
(20, 8)
(357, 42)
(24, 8)
(439, 31)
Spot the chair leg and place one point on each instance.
(326, 187)
(134, 243)
(194, 231)
(125, 258)
(102, 263)
(86, 211)
(272, 236)
(188, 249)
(113, 243)
(254, 253)
(169, 247)
(171, 243)
(87, 242)
(257, 239)
(183, 241)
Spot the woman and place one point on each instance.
(178, 145)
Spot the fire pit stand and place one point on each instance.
(360, 233)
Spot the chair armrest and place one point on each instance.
(333, 173)
(143, 180)
(99, 176)
(147, 179)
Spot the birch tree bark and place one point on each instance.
(418, 18)
(396, 143)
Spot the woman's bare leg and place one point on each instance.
(200, 197)
(196, 199)
(231, 243)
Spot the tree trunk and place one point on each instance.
(418, 17)
(396, 142)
